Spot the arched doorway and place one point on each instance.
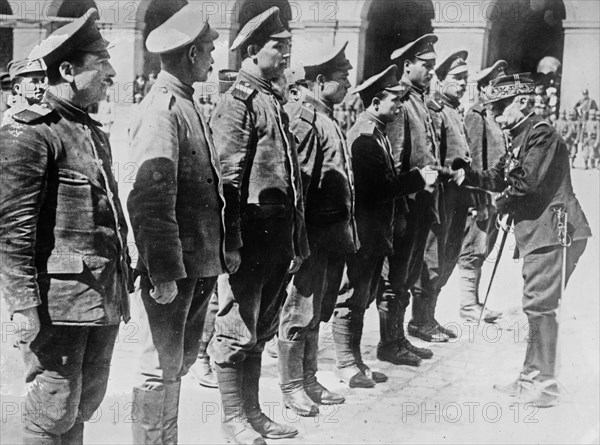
(6, 37)
(248, 9)
(156, 14)
(391, 25)
(523, 32)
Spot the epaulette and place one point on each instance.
(163, 99)
(434, 105)
(368, 128)
(541, 123)
(308, 113)
(32, 113)
(242, 91)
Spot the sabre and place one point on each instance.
(505, 226)
(565, 241)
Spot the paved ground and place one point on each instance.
(449, 399)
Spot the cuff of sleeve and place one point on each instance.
(460, 176)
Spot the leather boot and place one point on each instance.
(357, 326)
(147, 416)
(470, 307)
(388, 349)
(431, 305)
(291, 377)
(317, 392)
(422, 325)
(74, 436)
(541, 346)
(234, 424)
(403, 343)
(171, 413)
(259, 421)
(347, 370)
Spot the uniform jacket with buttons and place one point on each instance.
(486, 145)
(414, 144)
(590, 132)
(534, 176)
(62, 231)
(176, 206)
(327, 178)
(263, 190)
(377, 183)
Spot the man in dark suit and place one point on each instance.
(63, 238)
(378, 185)
(534, 182)
(176, 211)
(264, 217)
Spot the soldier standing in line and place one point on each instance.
(534, 182)
(378, 185)
(264, 217)
(328, 188)
(29, 83)
(446, 236)
(487, 145)
(64, 272)
(573, 133)
(176, 211)
(414, 144)
(585, 104)
(589, 140)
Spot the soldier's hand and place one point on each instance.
(233, 259)
(164, 293)
(295, 265)
(28, 324)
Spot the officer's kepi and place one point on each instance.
(455, 64)
(184, 27)
(387, 80)
(422, 48)
(327, 60)
(509, 86)
(261, 28)
(81, 35)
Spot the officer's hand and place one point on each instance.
(430, 174)
(295, 265)
(28, 324)
(164, 293)
(233, 259)
(502, 204)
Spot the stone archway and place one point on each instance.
(6, 37)
(391, 24)
(523, 32)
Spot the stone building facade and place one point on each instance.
(520, 31)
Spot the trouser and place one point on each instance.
(170, 334)
(478, 243)
(68, 368)
(308, 300)
(249, 311)
(170, 337)
(541, 297)
(209, 323)
(410, 238)
(442, 251)
(357, 291)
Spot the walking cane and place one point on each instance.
(565, 241)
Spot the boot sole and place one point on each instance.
(399, 362)
(425, 337)
(311, 413)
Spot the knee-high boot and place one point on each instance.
(317, 392)
(291, 377)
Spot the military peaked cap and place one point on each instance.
(485, 76)
(387, 80)
(81, 35)
(421, 48)
(182, 28)
(21, 68)
(327, 59)
(455, 64)
(266, 25)
(509, 86)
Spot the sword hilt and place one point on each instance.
(562, 215)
